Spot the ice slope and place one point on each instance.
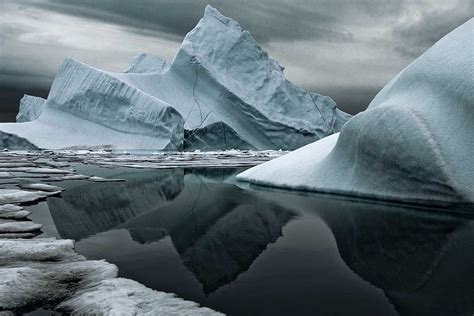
(413, 144)
(145, 63)
(227, 90)
(235, 82)
(30, 108)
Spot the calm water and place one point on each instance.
(248, 251)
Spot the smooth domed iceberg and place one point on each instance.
(221, 91)
(413, 144)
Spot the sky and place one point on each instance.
(347, 49)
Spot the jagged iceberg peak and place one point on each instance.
(30, 108)
(232, 56)
(413, 144)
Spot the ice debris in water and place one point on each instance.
(100, 179)
(18, 227)
(40, 187)
(48, 272)
(9, 196)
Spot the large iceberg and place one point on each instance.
(413, 144)
(221, 91)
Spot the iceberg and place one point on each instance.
(413, 144)
(30, 108)
(221, 91)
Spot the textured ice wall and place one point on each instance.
(255, 99)
(87, 107)
(30, 108)
(414, 143)
(224, 87)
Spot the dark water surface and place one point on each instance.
(247, 251)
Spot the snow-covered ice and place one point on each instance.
(7, 226)
(14, 215)
(101, 179)
(48, 171)
(9, 196)
(126, 297)
(221, 91)
(413, 144)
(7, 208)
(46, 271)
(6, 175)
(68, 177)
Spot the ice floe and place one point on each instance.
(9, 196)
(48, 272)
(40, 187)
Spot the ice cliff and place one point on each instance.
(413, 144)
(221, 91)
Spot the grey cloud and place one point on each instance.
(413, 39)
(265, 19)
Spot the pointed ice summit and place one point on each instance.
(221, 91)
(415, 143)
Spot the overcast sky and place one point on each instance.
(347, 49)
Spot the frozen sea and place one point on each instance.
(193, 230)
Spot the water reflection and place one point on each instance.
(279, 252)
(87, 208)
(217, 229)
(423, 259)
